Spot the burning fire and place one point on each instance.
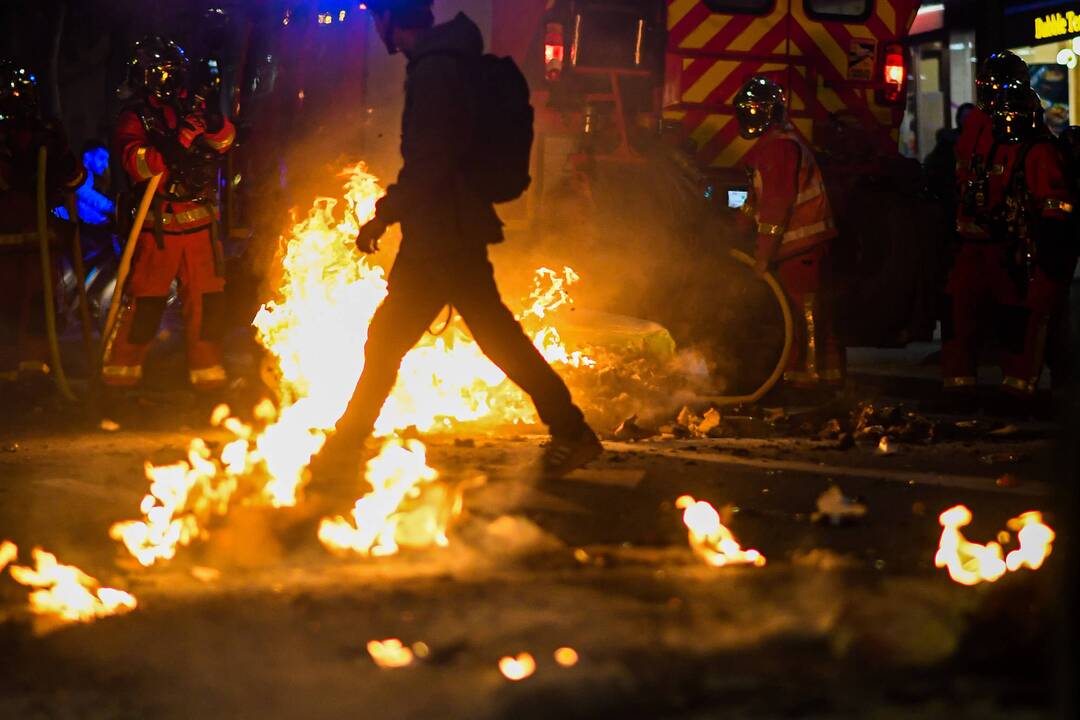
(710, 539)
(390, 653)
(65, 591)
(970, 563)
(315, 330)
(517, 668)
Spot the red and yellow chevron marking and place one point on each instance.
(710, 55)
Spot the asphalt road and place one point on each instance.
(843, 621)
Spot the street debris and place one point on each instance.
(710, 539)
(517, 668)
(836, 508)
(205, 574)
(629, 431)
(1004, 458)
(390, 653)
(970, 563)
(886, 446)
(109, 425)
(11, 447)
(63, 592)
(566, 657)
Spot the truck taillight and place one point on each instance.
(554, 51)
(894, 72)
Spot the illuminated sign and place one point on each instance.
(1056, 25)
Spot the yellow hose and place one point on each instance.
(47, 278)
(84, 305)
(785, 354)
(125, 265)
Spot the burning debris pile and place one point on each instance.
(709, 537)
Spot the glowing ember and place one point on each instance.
(1035, 540)
(65, 592)
(315, 330)
(710, 539)
(396, 475)
(566, 657)
(969, 563)
(517, 668)
(390, 653)
(8, 552)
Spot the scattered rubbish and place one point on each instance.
(886, 446)
(390, 653)
(517, 668)
(832, 430)
(109, 426)
(834, 506)
(205, 574)
(1005, 431)
(566, 657)
(629, 431)
(1004, 458)
(1007, 480)
(11, 447)
(421, 649)
(709, 423)
(464, 442)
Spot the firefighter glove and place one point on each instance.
(367, 241)
(191, 127)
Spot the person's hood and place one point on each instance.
(459, 36)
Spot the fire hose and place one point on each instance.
(789, 340)
(125, 266)
(47, 279)
(80, 278)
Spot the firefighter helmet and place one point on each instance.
(997, 70)
(1016, 112)
(404, 14)
(759, 105)
(158, 68)
(18, 91)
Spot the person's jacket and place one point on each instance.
(440, 215)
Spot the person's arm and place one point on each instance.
(777, 187)
(437, 137)
(224, 138)
(140, 160)
(1055, 209)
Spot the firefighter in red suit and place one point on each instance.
(167, 132)
(794, 227)
(1033, 215)
(24, 348)
(979, 277)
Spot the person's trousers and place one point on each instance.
(188, 258)
(1027, 331)
(417, 293)
(816, 355)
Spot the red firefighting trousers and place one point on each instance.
(981, 280)
(189, 259)
(24, 344)
(816, 354)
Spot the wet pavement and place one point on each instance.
(843, 621)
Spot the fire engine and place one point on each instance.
(614, 78)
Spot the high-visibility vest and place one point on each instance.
(810, 221)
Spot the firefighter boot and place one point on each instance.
(565, 454)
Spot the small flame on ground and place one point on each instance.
(517, 668)
(970, 563)
(710, 539)
(566, 657)
(390, 653)
(8, 552)
(65, 592)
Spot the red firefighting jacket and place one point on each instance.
(142, 161)
(973, 149)
(1044, 173)
(791, 206)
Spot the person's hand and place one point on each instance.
(367, 241)
(761, 267)
(191, 127)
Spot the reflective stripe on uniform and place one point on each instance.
(799, 376)
(142, 165)
(34, 366)
(959, 382)
(208, 376)
(810, 193)
(808, 230)
(770, 229)
(1015, 383)
(1059, 205)
(122, 374)
(12, 239)
(968, 228)
(224, 142)
(182, 218)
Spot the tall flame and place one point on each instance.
(315, 330)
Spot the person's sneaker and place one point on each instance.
(563, 455)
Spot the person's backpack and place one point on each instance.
(501, 155)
